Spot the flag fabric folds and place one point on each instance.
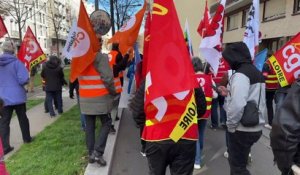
(211, 44)
(3, 29)
(127, 35)
(146, 44)
(169, 70)
(187, 38)
(169, 73)
(204, 23)
(251, 35)
(30, 52)
(83, 44)
(286, 62)
(260, 59)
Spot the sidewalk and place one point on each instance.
(96, 169)
(37, 118)
(127, 159)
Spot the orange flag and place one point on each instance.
(83, 45)
(127, 35)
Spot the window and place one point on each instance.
(297, 6)
(245, 17)
(232, 22)
(45, 43)
(46, 32)
(274, 9)
(41, 30)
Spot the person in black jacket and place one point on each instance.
(285, 135)
(53, 74)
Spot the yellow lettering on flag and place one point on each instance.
(163, 10)
(187, 119)
(37, 60)
(279, 72)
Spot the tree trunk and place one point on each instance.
(20, 31)
(57, 44)
(112, 17)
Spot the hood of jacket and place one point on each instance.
(6, 58)
(237, 54)
(52, 64)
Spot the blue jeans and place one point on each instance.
(219, 102)
(200, 141)
(50, 96)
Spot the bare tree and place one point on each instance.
(123, 9)
(57, 16)
(19, 10)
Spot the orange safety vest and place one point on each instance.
(90, 84)
(112, 61)
(206, 84)
(176, 116)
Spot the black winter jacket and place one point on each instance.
(285, 134)
(53, 74)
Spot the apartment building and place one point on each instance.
(36, 19)
(279, 21)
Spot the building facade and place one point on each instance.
(36, 19)
(279, 21)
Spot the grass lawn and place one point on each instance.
(57, 150)
(38, 78)
(33, 102)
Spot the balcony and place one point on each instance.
(232, 5)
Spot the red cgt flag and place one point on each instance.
(170, 69)
(127, 35)
(30, 52)
(286, 62)
(3, 29)
(204, 23)
(85, 45)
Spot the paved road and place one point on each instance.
(127, 159)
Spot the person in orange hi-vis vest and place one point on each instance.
(272, 85)
(96, 92)
(118, 64)
(2, 163)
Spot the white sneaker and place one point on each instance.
(226, 154)
(197, 167)
(143, 154)
(250, 158)
(268, 126)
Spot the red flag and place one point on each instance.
(3, 29)
(286, 62)
(170, 70)
(146, 44)
(211, 44)
(204, 23)
(85, 44)
(127, 35)
(30, 52)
